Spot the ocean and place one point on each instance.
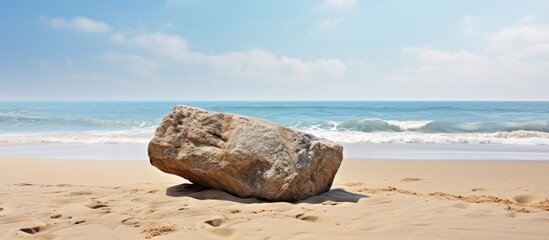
(461, 127)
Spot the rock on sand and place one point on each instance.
(245, 156)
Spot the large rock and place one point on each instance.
(245, 156)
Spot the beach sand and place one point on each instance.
(397, 199)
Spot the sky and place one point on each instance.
(274, 50)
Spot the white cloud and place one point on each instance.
(134, 62)
(78, 23)
(528, 19)
(338, 4)
(426, 54)
(520, 34)
(516, 60)
(254, 64)
(260, 64)
(445, 66)
(524, 39)
(331, 23)
(168, 45)
(341, 5)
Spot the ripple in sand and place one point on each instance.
(411, 179)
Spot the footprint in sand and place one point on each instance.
(330, 203)
(528, 199)
(235, 211)
(133, 221)
(32, 230)
(97, 205)
(23, 184)
(80, 193)
(215, 222)
(306, 218)
(533, 201)
(158, 231)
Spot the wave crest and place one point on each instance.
(424, 126)
(512, 138)
(351, 131)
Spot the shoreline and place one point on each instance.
(411, 199)
(354, 151)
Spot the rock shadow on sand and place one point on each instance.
(335, 195)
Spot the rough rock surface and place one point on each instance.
(247, 157)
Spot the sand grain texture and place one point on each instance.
(49, 199)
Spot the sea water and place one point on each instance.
(399, 130)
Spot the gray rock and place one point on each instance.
(245, 156)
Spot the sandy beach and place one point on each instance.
(324, 119)
(392, 199)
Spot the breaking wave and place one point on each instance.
(350, 131)
(425, 126)
(512, 138)
(428, 131)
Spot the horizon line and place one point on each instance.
(269, 100)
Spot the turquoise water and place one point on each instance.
(507, 123)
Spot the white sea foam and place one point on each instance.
(370, 125)
(144, 135)
(512, 138)
(426, 126)
(112, 137)
(354, 131)
(408, 125)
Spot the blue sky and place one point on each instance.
(274, 50)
